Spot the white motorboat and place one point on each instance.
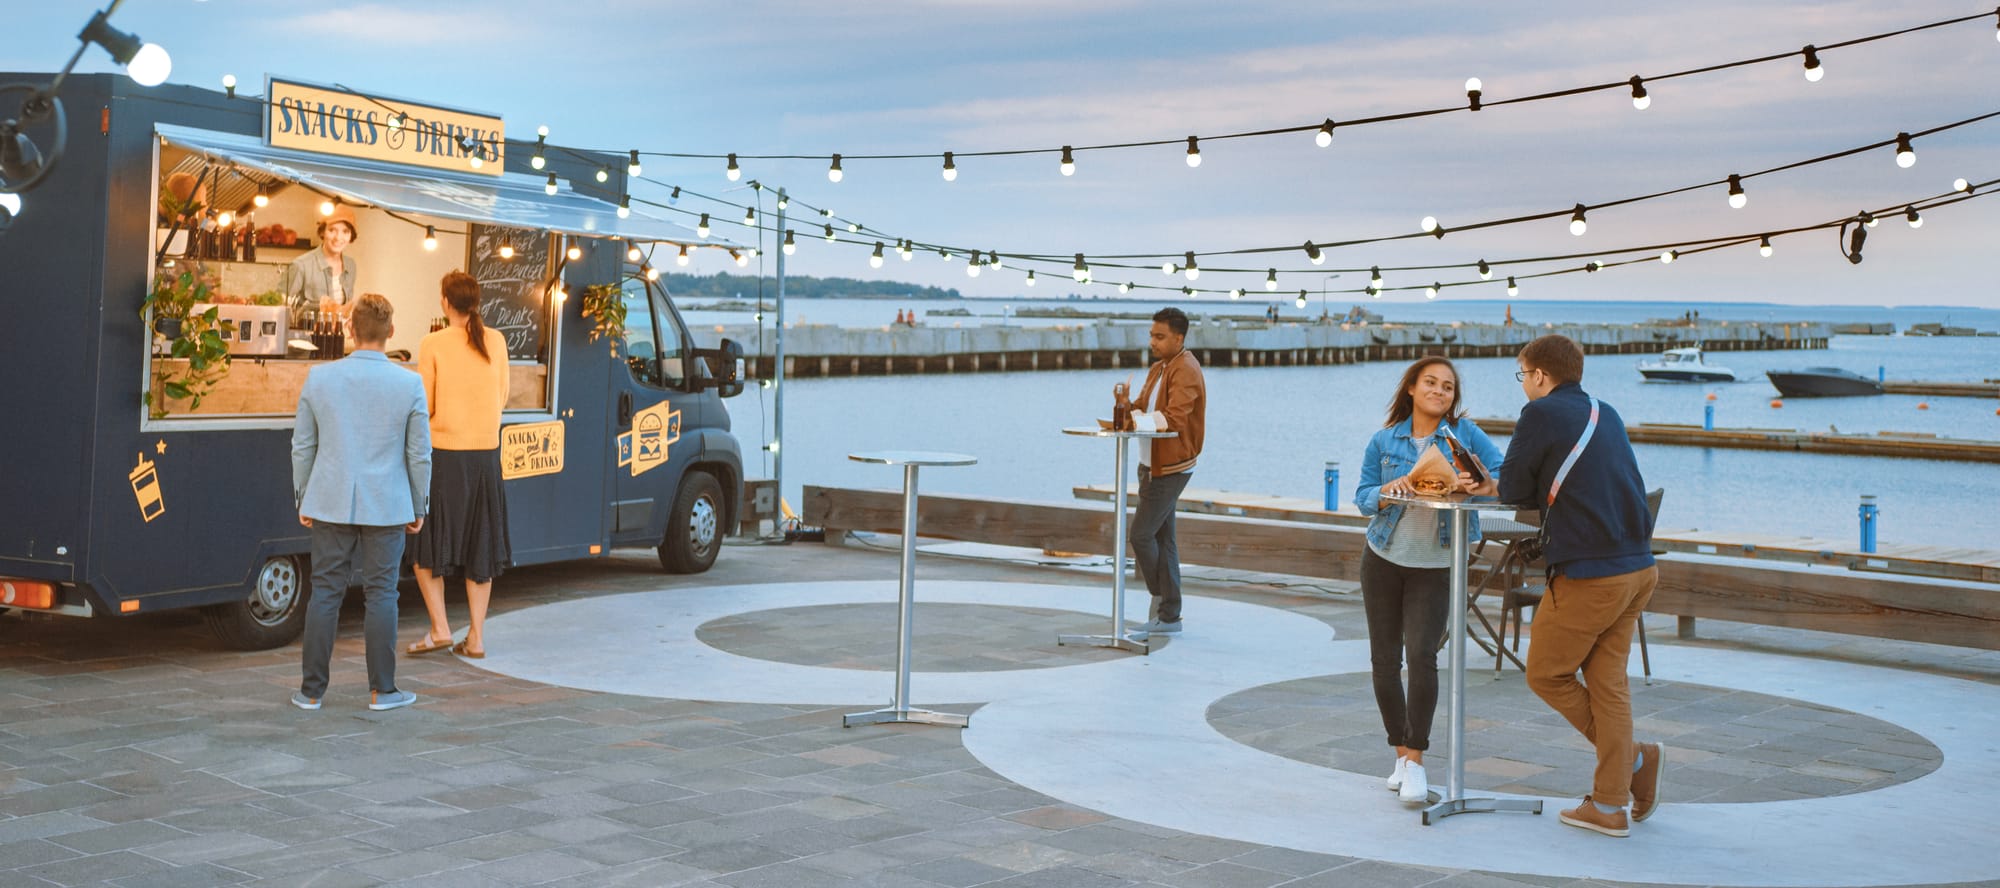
(1684, 365)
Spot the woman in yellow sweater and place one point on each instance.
(464, 367)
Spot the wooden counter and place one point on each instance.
(271, 388)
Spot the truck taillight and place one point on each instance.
(27, 594)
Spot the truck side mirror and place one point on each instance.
(724, 364)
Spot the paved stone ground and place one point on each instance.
(138, 752)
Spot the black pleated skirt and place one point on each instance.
(466, 531)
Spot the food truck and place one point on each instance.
(151, 359)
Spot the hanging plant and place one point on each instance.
(193, 337)
(604, 305)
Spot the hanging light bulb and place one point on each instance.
(1080, 271)
(1193, 271)
(1324, 137)
(1068, 163)
(1764, 246)
(674, 197)
(854, 228)
(550, 186)
(1668, 257)
(944, 254)
(632, 167)
(603, 174)
(1472, 90)
(701, 227)
(538, 161)
(1577, 225)
(1301, 300)
(1031, 277)
(1485, 271)
(790, 246)
(1375, 276)
(1592, 266)
(1736, 196)
(875, 259)
(1168, 268)
(1236, 293)
(950, 169)
(478, 158)
(972, 265)
(908, 252)
(1640, 100)
(1313, 253)
(652, 274)
(1906, 156)
(1511, 289)
(833, 173)
(1813, 71)
(632, 253)
(1373, 292)
(682, 259)
(1194, 152)
(733, 172)
(326, 208)
(558, 293)
(784, 201)
(741, 260)
(625, 206)
(1910, 213)
(224, 218)
(1271, 279)
(749, 217)
(1960, 184)
(396, 122)
(1125, 287)
(993, 259)
(507, 249)
(262, 200)
(574, 252)
(1431, 292)
(829, 233)
(1429, 224)
(430, 238)
(1869, 219)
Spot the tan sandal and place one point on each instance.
(426, 646)
(461, 650)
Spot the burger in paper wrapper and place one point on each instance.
(1433, 474)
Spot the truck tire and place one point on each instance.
(694, 530)
(272, 614)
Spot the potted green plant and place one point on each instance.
(604, 305)
(193, 337)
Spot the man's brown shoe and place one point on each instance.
(1646, 781)
(1587, 816)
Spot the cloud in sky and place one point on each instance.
(779, 76)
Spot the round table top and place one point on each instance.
(1093, 432)
(1457, 502)
(913, 458)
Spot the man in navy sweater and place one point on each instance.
(1601, 573)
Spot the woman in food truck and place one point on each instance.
(323, 280)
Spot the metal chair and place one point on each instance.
(1522, 595)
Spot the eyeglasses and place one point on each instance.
(1522, 375)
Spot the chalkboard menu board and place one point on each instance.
(514, 292)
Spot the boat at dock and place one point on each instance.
(1684, 365)
(1822, 382)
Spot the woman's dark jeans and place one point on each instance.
(1406, 608)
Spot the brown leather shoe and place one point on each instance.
(1587, 816)
(1646, 781)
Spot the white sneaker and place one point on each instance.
(1395, 781)
(1416, 787)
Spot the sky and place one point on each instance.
(925, 77)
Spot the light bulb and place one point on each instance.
(741, 260)
(1910, 213)
(506, 249)
(1906, 156)
(1193, 271)
(538, 161)
(1324, 137)
(854, 228)
(972, 266)
(1813, 70)
(833, 173)
(574, 252)
(1764, 246)
(150, 65)
(430, 238)
(1031, 277)
(905, 251)
(624, 206)
(542, 132)
(1168, 268)
(1080, 271)
(829, 234)
(1736, 196)
(603, 174)
(950, 169)
(875, 259)
(1271, 279)
(632, 253)
(1485, 271)
(1125, 287)
(993, 259)
(550, 186)
(701, 227)
(1960, 184)
(682, 259)
(224, 218)
(749, 217)
(1194, 152)
(326, 208)
(1472, 92)
(632, 167)
(1431, 292)
(1301, 300)
(476, 161)
(1870, 220)
(1375, 276)
(1640, 100)
(1511, 289)
(652, 274)
(1577, 225)
(734, 172)
(1472, 84)
(1430, 224)
(396, 121)
(1313, 253)
(1668, 257)
(1236, 293)
(1068, 169)
(229, 83)
(790, 246)
(263, 200)
(559, 294)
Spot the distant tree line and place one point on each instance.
(707, 288)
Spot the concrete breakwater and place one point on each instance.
(820, 350)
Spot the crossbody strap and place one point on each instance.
(1574, 452)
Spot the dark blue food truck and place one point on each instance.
(151, 356)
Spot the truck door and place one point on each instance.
(651, 401)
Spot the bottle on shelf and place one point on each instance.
(249, 241)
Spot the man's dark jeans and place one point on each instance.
(1153, 546)
(371, 556)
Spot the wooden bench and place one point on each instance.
(1798, 596)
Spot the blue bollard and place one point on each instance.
(1881, 373)
(1868, 516)
(1708, 417)
(1332, 486)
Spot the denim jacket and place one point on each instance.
(1392, 453)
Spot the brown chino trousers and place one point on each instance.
(1586, 626)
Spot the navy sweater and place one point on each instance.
(1598, 526)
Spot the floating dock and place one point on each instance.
(822, 350)
(1987, 389)
(1907, 445)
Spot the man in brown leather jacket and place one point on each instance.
(1177, 399)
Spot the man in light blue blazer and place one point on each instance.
(361, 475)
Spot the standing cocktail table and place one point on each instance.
(1118, 638)
(899, 710)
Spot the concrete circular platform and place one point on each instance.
(955, 637)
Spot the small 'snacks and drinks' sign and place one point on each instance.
(329, 120)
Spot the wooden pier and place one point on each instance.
(1905, 445)
(1987, 389)
(817, 350)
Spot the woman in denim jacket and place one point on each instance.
(1406, 570)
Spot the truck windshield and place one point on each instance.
(653, 358)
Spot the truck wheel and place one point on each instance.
(694, 531)
(273, 614)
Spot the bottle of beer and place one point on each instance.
(249, 241)
(339, 335)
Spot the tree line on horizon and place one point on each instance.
(723, 285)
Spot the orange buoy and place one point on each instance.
(1775, 403)
(1711, 396)
(1923, 405)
